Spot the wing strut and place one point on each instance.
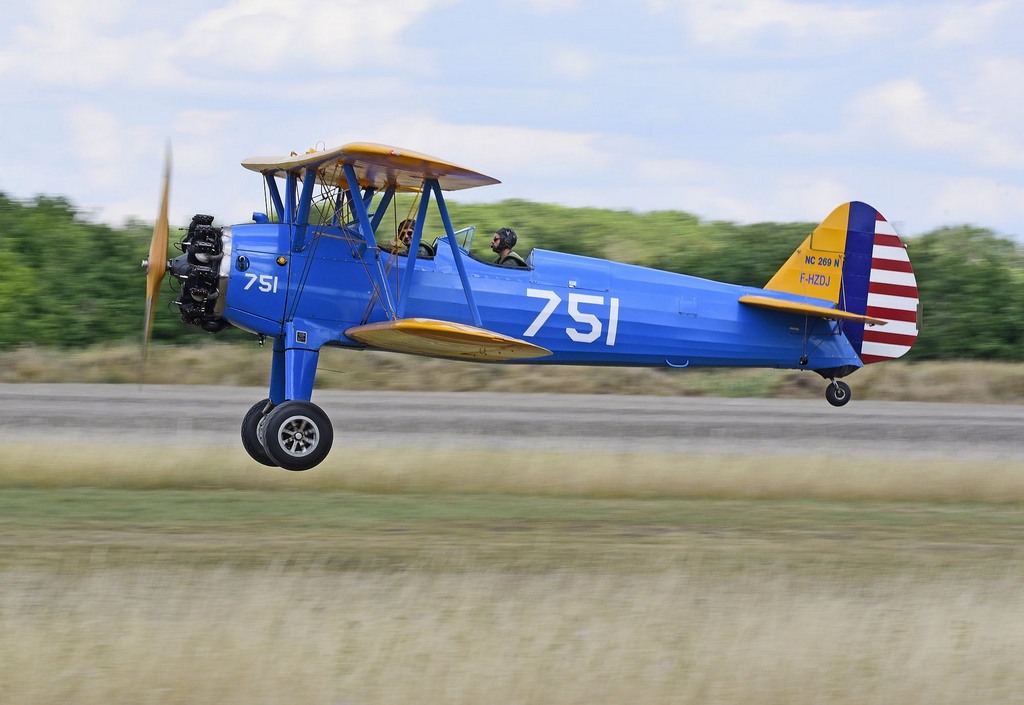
(414, 247)
(431, 186)
(366, 229)
(275, 196)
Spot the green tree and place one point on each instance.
(970, 285)
(17, 285)
(72, 283)
(69, 282)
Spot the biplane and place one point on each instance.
(315, 270)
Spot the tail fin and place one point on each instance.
(856, 260)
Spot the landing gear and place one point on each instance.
(837, 393)
(297, 435)
(253, 425)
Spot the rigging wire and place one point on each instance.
(391, 263)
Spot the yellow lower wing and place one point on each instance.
(426, 336)
(808, 309)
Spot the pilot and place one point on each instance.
(502, 243)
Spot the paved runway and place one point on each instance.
(210, 416)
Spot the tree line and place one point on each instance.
(68, 282)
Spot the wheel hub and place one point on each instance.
(299, 436)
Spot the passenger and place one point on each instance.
(502, 243)
(403, 241)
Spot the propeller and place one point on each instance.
(156, 264)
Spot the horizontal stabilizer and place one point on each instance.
(426, 336)
(808, 309)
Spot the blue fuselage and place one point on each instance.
(585, 310)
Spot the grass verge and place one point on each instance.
(412, 576)
(398, 471)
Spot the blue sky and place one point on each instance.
(741, 110)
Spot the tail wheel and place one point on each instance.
(253, 426)
(837, 393)
(297, 435)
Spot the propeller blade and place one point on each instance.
(156, 263)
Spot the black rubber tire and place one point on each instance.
(252, 433)
(838, 393)
(297, 435)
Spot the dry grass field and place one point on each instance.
(686, 635)
(443, 576)
(433, 577)
(249, 365)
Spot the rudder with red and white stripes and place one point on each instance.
(878, 281)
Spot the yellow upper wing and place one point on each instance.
(376, 165)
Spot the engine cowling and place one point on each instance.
(198, 270)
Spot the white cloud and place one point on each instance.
(84, 46)
(783, 26)
(550, 7)
(962, 23)
(265, 35)
(920, 110)
(904, 115)
(976, 200)
(482, 147)
(682, 184)
(105, 148)
(573, 64)
(204, 123)
(63, 48)
(746, 194)
(108, 43)
(253, 35)
(993, 90)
